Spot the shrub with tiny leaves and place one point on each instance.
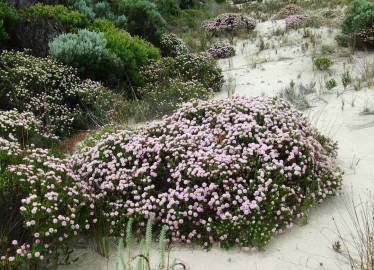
(171, 45)
(289, 10)
(322, 62)
(40, 205)
(331, 84)
(197, 67)
(233, 171)
(21, 127)
(295, 21)
(221, 50)
(59, 99)
(230, 22)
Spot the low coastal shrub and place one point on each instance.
(230, 22)
(232, 171)
(331, 84)
(60, 100)
(358, 25)
(84, 50)
(188, 67)
(163, 98)
(23, 128)
(40, 206)
(171, 45)
(322, 62)
(289, 10)
(295, 21)
(221, 50)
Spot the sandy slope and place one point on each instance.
(308, 246)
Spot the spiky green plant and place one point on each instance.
(148, 238)
(142, 260)
(162, 248)
(120, 264)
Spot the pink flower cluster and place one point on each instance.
(289, 10)
(295, 21)
(231, 171)
(44, 207)
(230, 22)
(221, 50)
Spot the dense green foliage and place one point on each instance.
(358, 25)
(199, 67)
(84, 50)
(322, 62)
(70, 18)
(9, 19)
(132, 53)
(143, 19)
(52, 92)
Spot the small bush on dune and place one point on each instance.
(52, 92)
(198, 67)
(229, 22)
(172, 46)
(221, 50)
(295, 21)
(289, 10)
(23, 128)
(322, 62)
(230, 171)
(357, 28)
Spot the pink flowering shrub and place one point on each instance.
(171, 45)
(295, 21)
(40, 206)
(221, 50)
(187, 67)
(21, 127)
(232, 171)
(57, 97)
(230, 22)
(289, 10)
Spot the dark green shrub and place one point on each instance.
(9, 19)
(132, 53)
(143, 19)
(167, 8)
(52, 92)
(331, 84)
(198, 67)
(187, 4)
(358, 21)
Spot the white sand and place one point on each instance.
(308, 246)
